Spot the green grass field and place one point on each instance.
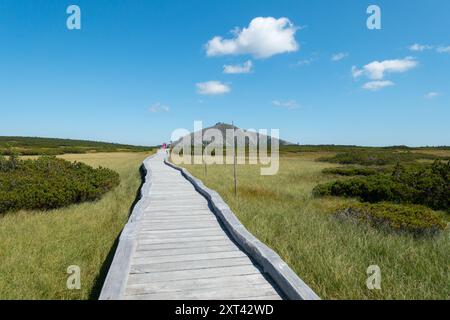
(37, 247)
(331, 256)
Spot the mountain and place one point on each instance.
(239, 134)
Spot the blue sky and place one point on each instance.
(136, 69)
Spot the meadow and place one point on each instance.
(37, 247)
(330, 255)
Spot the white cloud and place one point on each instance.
(356, 73)
(304, 62)
(419, 47)
(263, 38)
(376, 70)
(246, 67)
(212, 88)
(291, 104)
(432, 95)
(442, 49)
(159, 107)
(339, 56)
(377, 85)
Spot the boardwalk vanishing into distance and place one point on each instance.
(176, 248)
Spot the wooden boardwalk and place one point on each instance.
(182, 251)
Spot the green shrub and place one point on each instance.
(411, 218)
(49, 146)
(48, 183)
(425, 185)
(376, 158)
(354, 171)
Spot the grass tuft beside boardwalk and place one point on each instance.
(36, 247)
(329, 255)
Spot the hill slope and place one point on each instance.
(239, 133)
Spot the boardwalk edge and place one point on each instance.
(117, 277)
(287, 280)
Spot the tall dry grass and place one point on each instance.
(331, 256)
(37, 247)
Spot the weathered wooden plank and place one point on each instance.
(189, 250)
(186, 285)
(142, 267)
(140, 278)
(175, 231)
(161, 220)
(190, 257)
(214, 293)
(175, 234)
(175, 240)
(179, 245)
(165, 227)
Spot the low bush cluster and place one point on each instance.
(427, 185)
(355, 171)
(50, 146)
(376, 158)
(49, 182)
(413, 219)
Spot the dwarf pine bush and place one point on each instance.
(49, 182)
(413, 219)
(428, 185)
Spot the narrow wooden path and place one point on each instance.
(183, 252)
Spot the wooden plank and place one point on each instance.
(179, 245)
(190, 257)
(140, 278)
(177, 234)
(151, 267)
(185, 285)
(201, 239)
(178, 251)
(161, 220)
(216, 293)
(175, 226)
(174, 231)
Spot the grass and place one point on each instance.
(37, 247)
(330, 256)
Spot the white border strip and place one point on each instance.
(286, 279)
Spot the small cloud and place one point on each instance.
(339, 56)
(246, 67)
(432, 95)
(304, 62)
(159, 107)
(443, 49)
(376, 70)
(264, 37)
(356, 73)
(419, 47)
(212, 88)
(291, 104)
(377, 85)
